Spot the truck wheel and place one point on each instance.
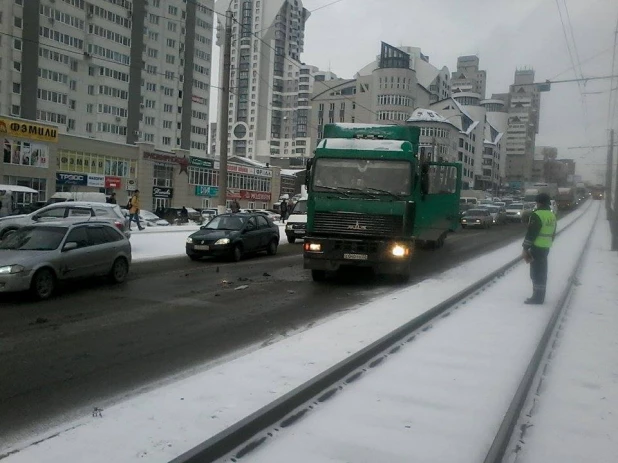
(291, 239)
(318, 275)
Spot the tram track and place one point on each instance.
(240, 439)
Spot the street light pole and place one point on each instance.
(224, 108)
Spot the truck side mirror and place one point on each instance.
(308, 172)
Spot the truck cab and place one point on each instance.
(371, 201)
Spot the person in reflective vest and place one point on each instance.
(539, 239)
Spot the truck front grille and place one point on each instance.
(363, 247)
(354, 224)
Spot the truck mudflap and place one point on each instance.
(391, 256)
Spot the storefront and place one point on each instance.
(28, 152)
(251, 185)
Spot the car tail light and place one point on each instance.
(119, 225)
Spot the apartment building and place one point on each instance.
(115, 70)
(468, 77)
(266, 112)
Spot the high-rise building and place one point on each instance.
(524, 102)
(117, 70)
(468, 77)
(267, 111)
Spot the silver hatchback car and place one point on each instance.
(37, 257)
(74, 210)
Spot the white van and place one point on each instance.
(468, 200)
(296, 226)
(88, 196)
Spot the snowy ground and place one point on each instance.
(575, 418)
(164, 242)
(169, 420)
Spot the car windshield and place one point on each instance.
(516, 206)
(226, 222)
(373, 176)
(34, 239)
(477, 212)
(300, 208)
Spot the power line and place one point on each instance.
(587, 60)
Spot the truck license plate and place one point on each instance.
(201, 247)
(355, 256)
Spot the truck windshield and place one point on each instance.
(373, 176)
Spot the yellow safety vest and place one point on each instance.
(548, 228)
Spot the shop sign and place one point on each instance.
(264, 172)
(31, 130)
(255, 195)
(240, 169)
(183, 162)
(71, 179)
(203, 190)
(161, 192)
(24, 153)
(113, 182)
(233, 193)
(96, 181)
(131, 184)
(201, 162)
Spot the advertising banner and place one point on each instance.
(71, 179)
(113, 182)
(255, 195)
(96, 180)
(203, 190)
(25, 153)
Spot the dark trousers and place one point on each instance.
(538, 268)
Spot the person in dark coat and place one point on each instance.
(537, 243)
(235, 207)
(112, 199)
(284, 210)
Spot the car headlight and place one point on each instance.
(222, 241)
(11, 269)
(518, 213)
(189, 240)
(288, 227)
(463, 220)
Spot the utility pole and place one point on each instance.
(224, 109)
(614, 224)
(608, 175)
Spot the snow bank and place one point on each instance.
(167, 421)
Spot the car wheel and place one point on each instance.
(291, 239)
(43, 284)
(119, 271)
(194, 257)
(237, 253)
(7, 232)
(272, 247)
(318, 275)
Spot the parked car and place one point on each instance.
(518, 212)
(234, 235)
(476, 218)
(270, 214)
(150, 219)
(37, 257)
(296, 226)
(73, 210)
(209, 214)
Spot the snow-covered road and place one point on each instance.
(171, 419)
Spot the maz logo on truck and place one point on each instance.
(357, 226)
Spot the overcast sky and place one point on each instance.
(505, 34)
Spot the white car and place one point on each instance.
(296, 226)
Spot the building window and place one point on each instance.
(89, 127)
(17, 66)
(171, 43)
(163, 175)
(167, 140)
(17, 44)
(170, 59)
(16, 87)
(17, 22)
(23, 199)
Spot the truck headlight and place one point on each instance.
(399, 251)
(313, 247)
(11, 269)
(222, 241)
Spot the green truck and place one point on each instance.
(372, 200)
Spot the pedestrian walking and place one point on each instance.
(134, 209)
(112, 199)
(539, 239)
(235, 207)
(284, 210)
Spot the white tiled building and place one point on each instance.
(118, 70)
(266, 114)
